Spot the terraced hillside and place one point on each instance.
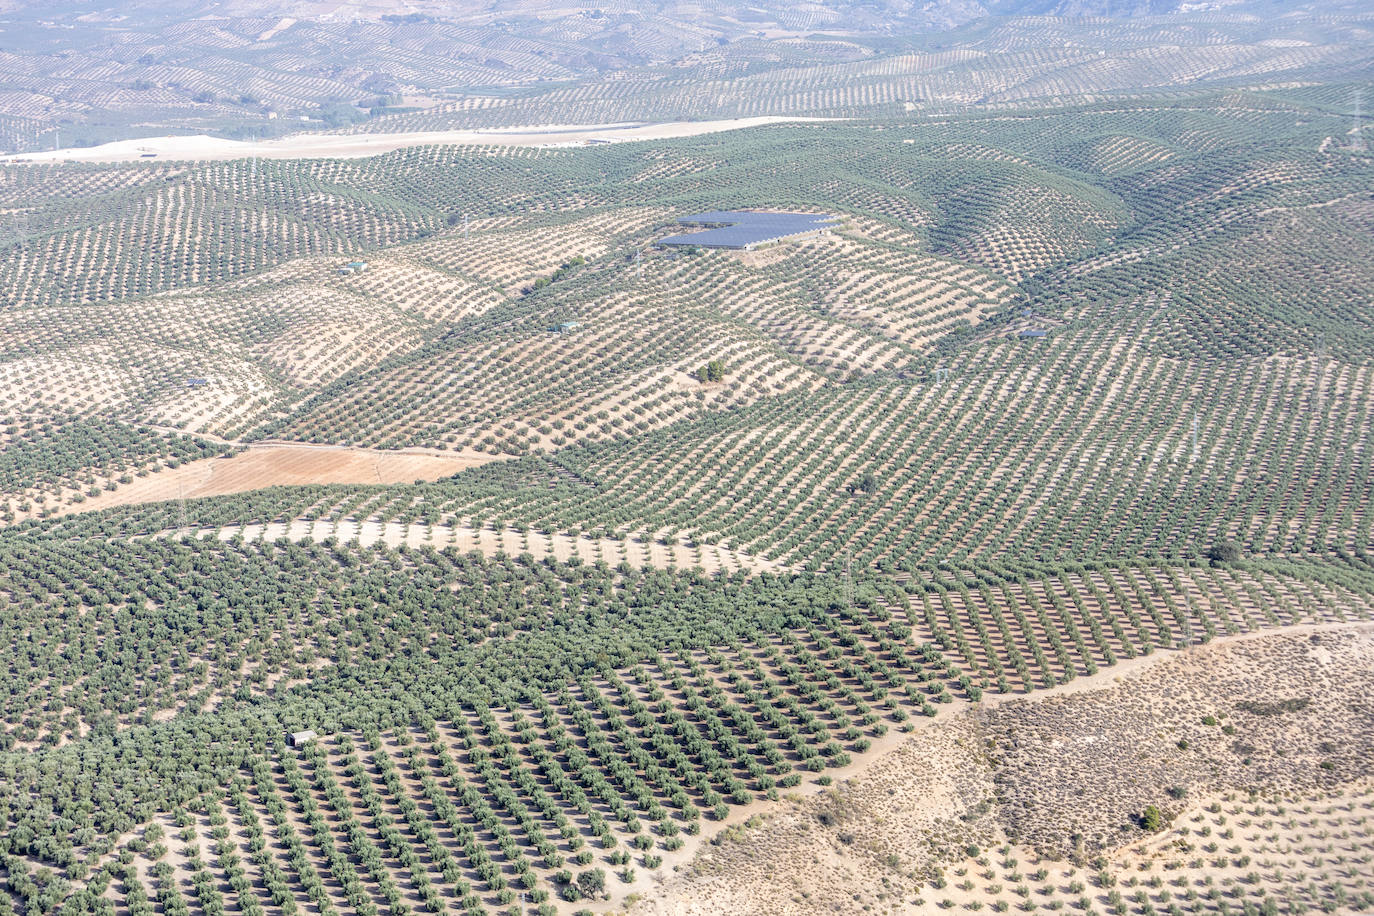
(1067, 389)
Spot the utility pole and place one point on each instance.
(1321, 368)
(1195, 435)
(1357, 143)
(849, 583)
(19, 228)
(465, 227)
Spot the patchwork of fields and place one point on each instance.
(603, 571)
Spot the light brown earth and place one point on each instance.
(966, 813)
(285, 465)
(351, 146)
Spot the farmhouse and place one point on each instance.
(353, 267)
(744, 229)
(301, 739)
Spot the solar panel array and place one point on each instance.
(742, 228)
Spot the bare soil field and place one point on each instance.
(975, 809)
(203, 148)
(285, 465)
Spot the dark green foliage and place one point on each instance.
(418, 636)
(560, 273)
(591, 883)
(1225, 551)
(714, 371)
(1274, 708)
(54, 452)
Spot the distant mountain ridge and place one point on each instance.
(875, 16)
(83, 73)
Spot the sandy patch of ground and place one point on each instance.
(1293, 852)
(285, 465)
(352, 146)
(282, 25)
(1060, 779)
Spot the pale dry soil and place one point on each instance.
(285, 465)
(1257, 749)
(352, 146)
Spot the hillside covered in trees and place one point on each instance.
(1068, 413)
